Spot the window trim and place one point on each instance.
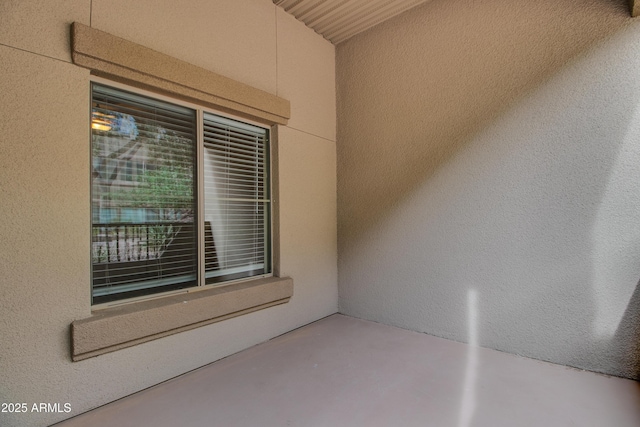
(122, 60)
(111, 329)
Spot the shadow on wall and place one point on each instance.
(626, 341)
(416, 109)
(489, 144)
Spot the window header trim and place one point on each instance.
(113, 57)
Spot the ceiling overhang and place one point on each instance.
(338, 20)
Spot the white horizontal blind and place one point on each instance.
(236, 205)
(143, 203)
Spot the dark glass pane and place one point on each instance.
(143, 195)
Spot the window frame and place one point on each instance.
(121, 324)
(200, 111)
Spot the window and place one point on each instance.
(110, 326)
(180, 196)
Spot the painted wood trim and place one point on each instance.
(118, 59)
(127, 325)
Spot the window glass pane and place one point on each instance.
(143, 195)
(236, 205)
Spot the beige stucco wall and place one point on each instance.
(488, 173)
(44, 188)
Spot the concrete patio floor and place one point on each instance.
(342, 371)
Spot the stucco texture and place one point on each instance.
(42, 27)
(297, 68)
(487, 174)
(236, 39)
(44, 188)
